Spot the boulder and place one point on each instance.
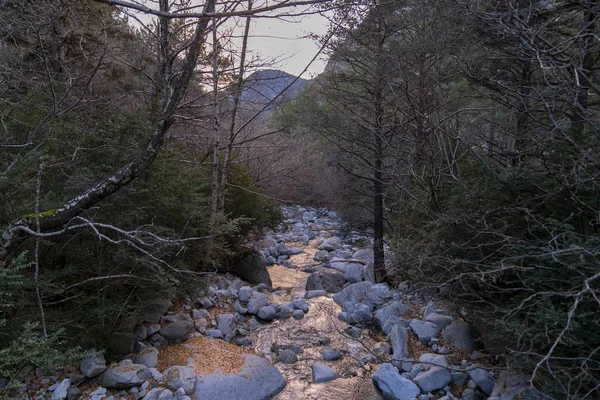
(392, 309)
(257, 301)
(226, 324)
(123, 343)
(433, 379)
(328, 280)
(461, 335)
(330, 354)
(398, 338)
(178, 330)
(441, 320)
(147, 357)
(287, 356)
(298, 314)
(392, 385)
(391, 321)
(181, 377)
(258, 380)
(125, 375)
(321, 256)
(156, 308)
(300, 304)
(331, 244)
(509, 387)
(436, 360)
(354, 293)
(214, 333)
(244, 294)
(93, 365)
(322, 373)
(253, 269)
(424, 330)
(61, 391)
(283, 250)
(364, 255)
(379, 294)
(484, 380)
(266, 313)
(361, 314)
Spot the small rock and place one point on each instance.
(298, 314)
(257, 301)
(266, 313)
(226, 324)
(322, 373)
(461, 335)
(483, 379)
(393, 386)
(424, 330)
(61, 391)
(331, 244)
(288, 357)
(244, 293)
(178, 377)
(93, 365)
(300, 304)
(458, 378)
(214, 333)
(330, 354)
(148, 357)
(434, 379)
(311, 294)
(441, 320)
(125, 375)
(398, 338)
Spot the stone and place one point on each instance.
(99, 393)
(398, 339)
(123, 343)
(93, 365)
(392, 386)
(361, 314)
(311, 294)
(330, 354)
(437, 360)
(509, 387)
(354, 293)
(300, 304)
(331, 244)
(287, 357)
(257, 301)
(61, 391)
(353, 331)
(484, 380)
(206, 303)
(379, 294)
(353, 272)
(214, 333)
(253, 269)
(142, 332)
(178, 377)
(125, 375)
(469, 394)
(156, 307)
(201, 325)
(147, 357)
(433, 379)
(226, 324)
(424, 330)
(298, 314)
(441, 320)
(283, 250)
(329, 280)
(286, 312)
(244, 294)
(392, 309)
(322, 373)
(458, 378)
(269, 260)
(391, 321)
(266, 313)
(258, 380)
(364, 255)
(321, 255)
(152, 329)
(166, 395)
(178, 330)
(74, 393)
(461, 335)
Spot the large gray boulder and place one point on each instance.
(461, 335)
(147, 357)
(125, 375)
(398, 338)
(424, 330)
(178, 330)
(433, 379)
(267, 313)
(155, 308)
(331, 244)
(93, 365)
(226, 324)
(244, 293)
(364, 255)
(321, 256)
(354, 293)
(379, 294)
(181, 377)
(253, 268)
(483, 379)
(436, 360)
(392, 385)
(441, 320)
(392, 309)
(322, 373)
(328, 280)
(61, 391)
(257, 301)
(258, 380)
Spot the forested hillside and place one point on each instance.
(144, 154)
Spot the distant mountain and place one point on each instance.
(264, 85)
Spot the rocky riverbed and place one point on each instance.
(314, 327)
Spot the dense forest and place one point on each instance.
(142, 148)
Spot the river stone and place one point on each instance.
(286, 312)
(352, 271)
(393, 386)
(392, 309)
(258, 380)
(429, 359)
(311, 294)
(461, 335)
(270, 260)
(298, 314)
(226, 324)
(459, 378)
(93, 365)
(363, 254)
(391, 321)
(253, 269)
(181, 377)
(283, 250)
(434, 379)
(300, 304)
(61, 391)
(266, 313)
(125, 375)
(361, 314)
(244, 293)
(178, 330)
(424, 330)
(321, 255)
(398, 338)
(330, 354)
(287, 356)
(441, 320)
(483, 379)
(214, 333)
(257, 301)
(123, 343)
(354, 293)
(331, 244)
(509, 387)
(379, 294)
(323, 373)
(147, 357)
(329, 280)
